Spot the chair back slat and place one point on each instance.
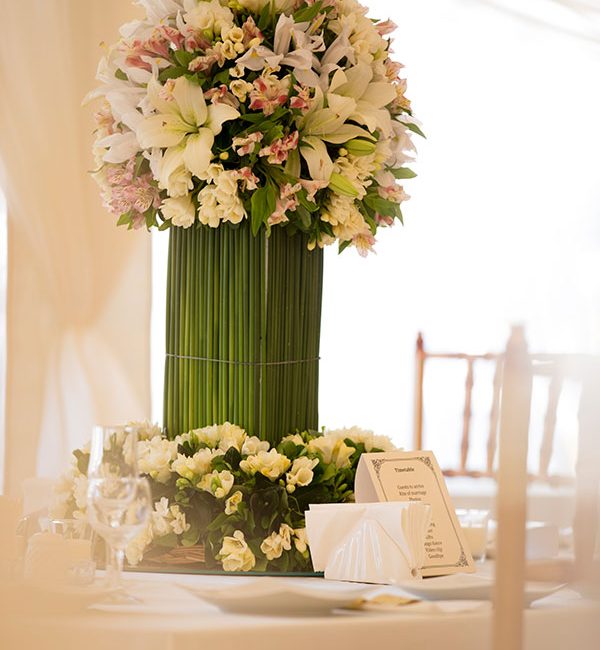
(492, 442)
(553, 366)
(554, 392)
(511, 503)
(418, 414)
(466, 428)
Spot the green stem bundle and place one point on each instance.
(239, 309)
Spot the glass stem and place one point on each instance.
(114, 567)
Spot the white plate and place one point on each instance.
(281, 596)
(464, 586)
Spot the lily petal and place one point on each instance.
(314, 151)
(190, 100)
(380, 93)
(121, 147)
(346, 132)
(219, 113)
(283, 34)
(156, 101)
(161, 131)
(198, 151)
(357, 79)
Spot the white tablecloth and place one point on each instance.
(171, 618)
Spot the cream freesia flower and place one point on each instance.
(235, 555)
(191, 466)
(252, 445)
(300, 473)
(183, 118)
(300, 540)
(219, 484)
(277, 542)
(233, 502)
(155, 457)
(268, 463)
(332, 450)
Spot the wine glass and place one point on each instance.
(119, 501)
(118, 510)
(113, 452)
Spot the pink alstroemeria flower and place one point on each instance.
(301, 101)
(279, 149)
(268, 93)
(393, 192)
(221, 95)
(287, 202)
(385, 27)
(243, 145)
(248, 180)
(364, 242)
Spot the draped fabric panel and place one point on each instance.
(78, 295)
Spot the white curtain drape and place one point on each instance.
(78, 295)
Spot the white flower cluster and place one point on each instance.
(192, 89)
(193, 463)
(164, 520)
(219, 200)
(356, 434)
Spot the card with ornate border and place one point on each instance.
(416, 476)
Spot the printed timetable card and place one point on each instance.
(416, 476)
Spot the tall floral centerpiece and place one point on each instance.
(257, 132)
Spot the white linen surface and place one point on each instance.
(171, 618)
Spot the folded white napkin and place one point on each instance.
(381, 543)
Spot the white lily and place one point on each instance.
(370, 96)
(120, 146)
(287, 32)
(318, 73)
(323, 124)
(158, 10)
(183, 118)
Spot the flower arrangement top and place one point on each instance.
(285, 112)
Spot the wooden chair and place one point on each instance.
(556, 367)
(519, 370)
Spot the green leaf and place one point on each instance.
(265, 17)
(119, 74)
(343, 246)
(414, 128)
(251, 117)
(403, 172)
(83, 460)
(304, 217)
(382, 206)
(262, 205)
(329, 472)
(150, 218)
(305, 203)
(274, 133)
(183, 58)
(171, 73)
(168, 541)
(165, 225)
(222, 77)
(191, 536)
(306, 14)
(124, 219)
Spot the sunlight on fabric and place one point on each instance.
(503, 225)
